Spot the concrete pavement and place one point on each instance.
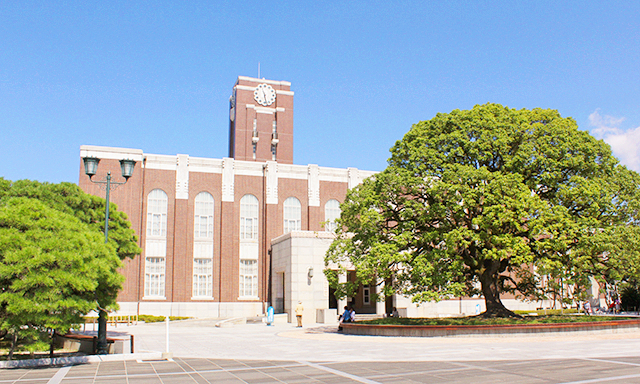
(256, 353)
(199, 338)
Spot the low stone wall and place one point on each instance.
(506, 329)
(87, 343)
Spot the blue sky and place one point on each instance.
(158, 75)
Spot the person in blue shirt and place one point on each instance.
(344, 318)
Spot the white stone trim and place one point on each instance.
(182, 177)
(264, 110)
(204, 165)
(248, 168)
(202, 298)
(303, 234)
(283, 92)
(290, 171)
(274, 82)
(111, 153)
(228, 181)
(353, 178)
(167, 163)
(248, 298)
(271, 169)
(313, 185)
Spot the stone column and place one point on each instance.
(380, 305)
(342, 278)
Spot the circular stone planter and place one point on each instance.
(623, 325)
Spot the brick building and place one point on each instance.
(228, 237)
(206, 225)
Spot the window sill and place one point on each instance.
(248, 298)
(154, 298)
(202, 298)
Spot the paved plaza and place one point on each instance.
(256, 353)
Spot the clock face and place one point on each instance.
(264, 94)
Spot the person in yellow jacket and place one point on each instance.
(299, 309)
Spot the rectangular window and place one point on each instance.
(203, 226)
(248, 278)
(157, 224)
(154, 276)
(366, 297)
(248, 228)
(202, 277)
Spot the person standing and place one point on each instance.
(587, 308)
(299, 310)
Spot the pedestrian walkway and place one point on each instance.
(256, 353)
(221, 371)
(319, 342)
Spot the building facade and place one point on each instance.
(206, 225)
(228, 237)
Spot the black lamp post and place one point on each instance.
(90, 169)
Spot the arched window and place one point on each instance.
(249, 218)
(203, 245)
(203, 216)
(291, 215)
(155, 244)
(249, 251)
(157, 213)
(331, 213)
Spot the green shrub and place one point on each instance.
(554, 312)
(157, 319)
(494, 321)
(630, 297)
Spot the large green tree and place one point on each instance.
(89, 209)
(54, 264)
(489, 200)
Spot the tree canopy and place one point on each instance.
(490, 200)
(54, 264)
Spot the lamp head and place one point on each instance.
(127, 167)
(90, 165)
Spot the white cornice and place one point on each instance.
(278, 91)
(274, 82)
(167, 163)
(237, 167)
(112, 153)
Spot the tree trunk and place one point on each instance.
(14, 342)
(52, 342)
(102, 332)
(491, 292)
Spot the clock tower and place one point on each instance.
(261, 120)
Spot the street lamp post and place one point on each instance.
(90, 169)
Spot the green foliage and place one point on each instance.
(549, 312)
(151, 318)
(54, 264)
(53, 268)
(494, 198)
(630, 297)
(69, 198)
(157, 319)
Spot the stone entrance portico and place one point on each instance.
(297, 265)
